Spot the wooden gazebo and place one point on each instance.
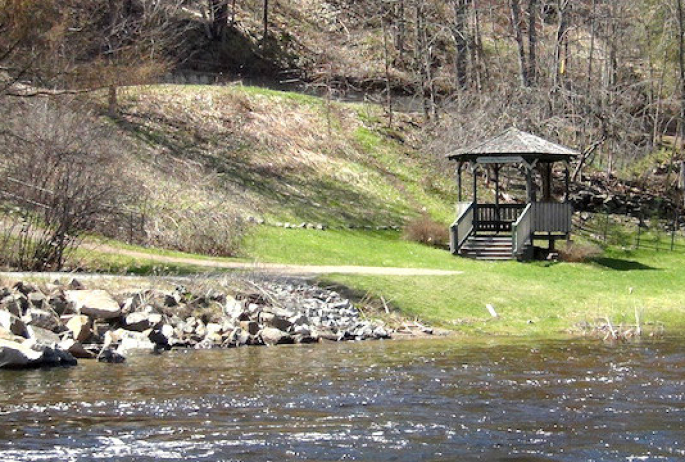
(504, 231)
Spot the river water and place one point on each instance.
(374, 401)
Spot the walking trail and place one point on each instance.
(274, 267)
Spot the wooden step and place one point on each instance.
(488, 247)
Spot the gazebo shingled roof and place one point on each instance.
(514, 142)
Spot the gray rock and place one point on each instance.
(110, 355)
(251, 327)
(24, 288)
(97, 304)
(76, 349)
(41, 318)
(42, 336)
(37, 299)
(58, 302)
(12, 323)
(9, 303)
(75, 284)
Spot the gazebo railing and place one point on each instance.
(522, 230)
(493, 217)
(552, 217)
(462, 228)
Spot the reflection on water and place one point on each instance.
(373, 401)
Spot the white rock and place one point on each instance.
(135, 344)
(273, 336)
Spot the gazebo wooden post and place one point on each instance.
(459, 165)
(497, 213)
(547, 182)
(474, 168)
(567, 180)
(530, 188)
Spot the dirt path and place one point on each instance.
(274, 267)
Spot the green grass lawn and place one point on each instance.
(538, 298)
(542, 298)
(345, 247)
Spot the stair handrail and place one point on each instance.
(522, 230)
(462, 228)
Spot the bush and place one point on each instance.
(207, 231)
(426, 231)
(62, 173)
(579, 253)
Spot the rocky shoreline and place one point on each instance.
(58, 324)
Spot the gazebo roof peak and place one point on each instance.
(514, 142)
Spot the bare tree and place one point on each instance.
(63, 173)
(518, 36)
(461, 39)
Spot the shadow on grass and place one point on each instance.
(618, 264)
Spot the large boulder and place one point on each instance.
(9, 303)
(42, 336)
(94, 303)
(32, 354)
(76, 349)
(12, 323)
(15, 354)
(273, 336)
(41, 318)
(80, 327)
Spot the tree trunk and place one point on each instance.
(265, 20)
(386, 58)
(112, 101)
(460, 39)
(219, 17)
(562, 27)
(518, 35)
(400, 28)
(532, 41)
(681, 62)
(481, 66)
(419, 62)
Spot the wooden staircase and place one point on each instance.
(488, 247)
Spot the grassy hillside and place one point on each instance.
(280, 156)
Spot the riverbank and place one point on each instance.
(58, 322)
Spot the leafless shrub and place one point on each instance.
(206, 230)
(426, 231)
(579, 253)
(61, 174)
